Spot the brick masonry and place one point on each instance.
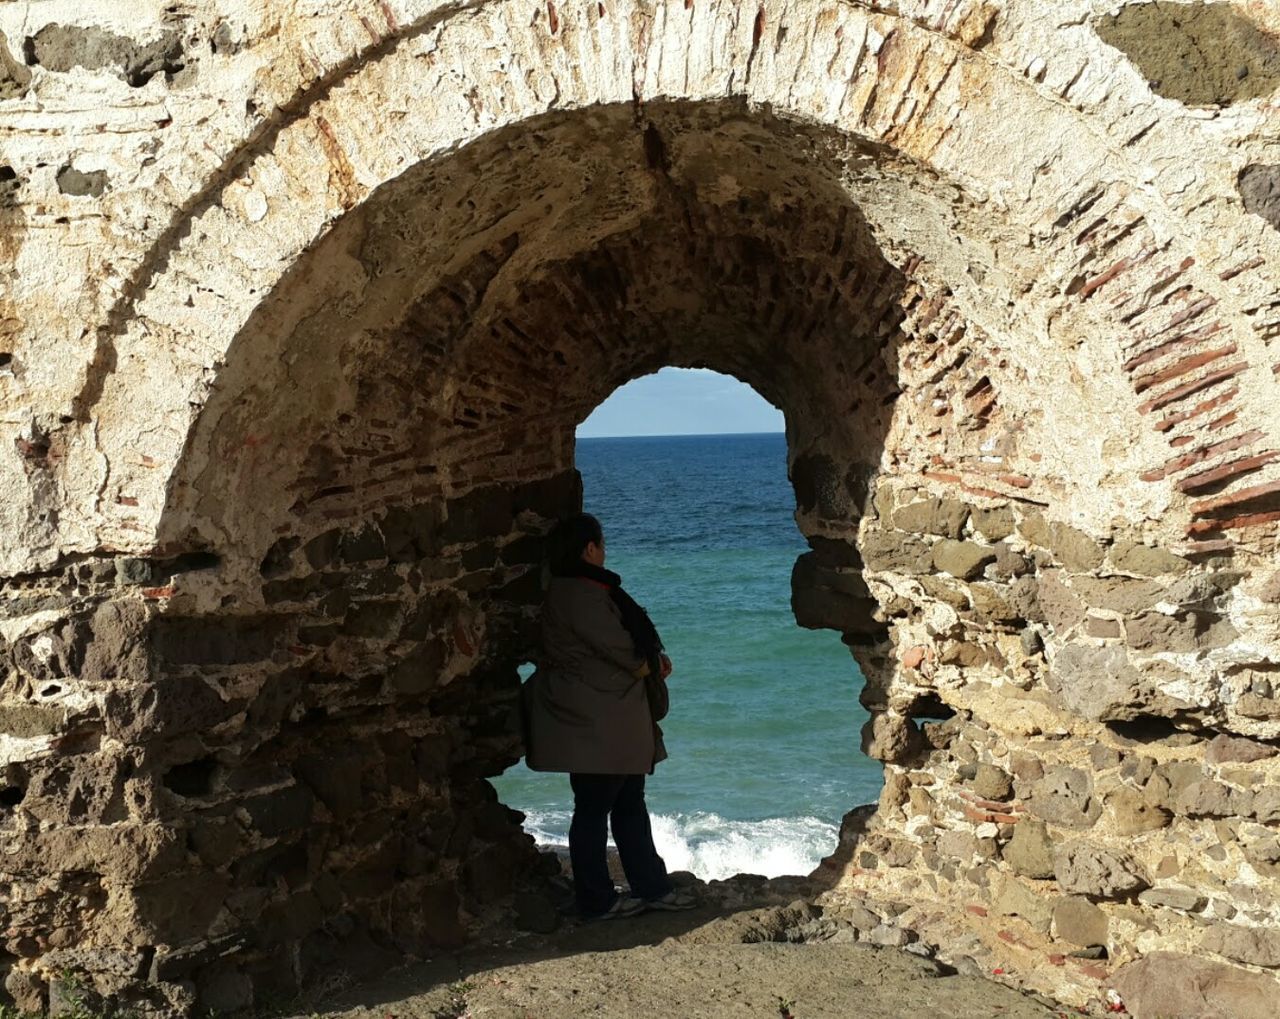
(299, 315)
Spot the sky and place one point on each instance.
(682, 401)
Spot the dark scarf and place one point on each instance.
(644, 635)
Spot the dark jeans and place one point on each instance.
(617, 800)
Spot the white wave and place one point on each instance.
(713, 847)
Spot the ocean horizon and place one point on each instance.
(764, 725)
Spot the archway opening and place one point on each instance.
(389, 438)
(687, 469)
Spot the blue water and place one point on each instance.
(764, 722)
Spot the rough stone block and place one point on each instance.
(24, 721)
(1183, 899)
(1103, 685)
(1086, 869)
(1079, 921)
(1030, 851)
(992, 783)
(1011, 897)
(1132, 812)
(1198, 54)
(943, 517)
(994, 524)
(60, 48)
(1259, 186)
(1166, 985)
(1065, 797)
(215, 640)
(1256, 946)
(486, 512)
(891, 552)
(962, 559)
(1188, 631)
(1224, 749)
(1145, 561)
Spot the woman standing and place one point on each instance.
(589, 715)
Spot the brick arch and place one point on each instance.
(921, 88)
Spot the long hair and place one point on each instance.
(567, 541)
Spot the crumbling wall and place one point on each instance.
(301, 310)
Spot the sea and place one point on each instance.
(764, 724)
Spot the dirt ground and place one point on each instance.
(715, 962)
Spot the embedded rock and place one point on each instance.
(1252, 945)
(1079, 921)
(1031, 851)
(1086, 869)
(1167, 985)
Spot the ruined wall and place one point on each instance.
(303, 303)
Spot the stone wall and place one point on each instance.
(302, 304)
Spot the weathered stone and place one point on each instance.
(1259, 186)
(943, 517)
(896, 553)
(282, 811)
(1145, 561)
(82, 184)
(889, 937)
(1105, 629)
(998, 603)
(1183, 899)
(1166, 985)
(1030, 851)
(14, 77)
(1206, 798)
(1087, 869)
(1010, 897)
(1101, 684)
(826, 598)
(536, 912)
(993, 524)
(1079, 921)
(1188, 631)
(962, 559)
(1266, 805)
(1256, 946)
(63, 47)
(215, 640)
(1062, 608)
(23, 721)
(890, 737)
(1252, 705)
(1132, 812)
(1198, 54)
(945, 590)
(1123, 595)
(1224, 749)
(1103, 757)
(418, 672)
(992, 783)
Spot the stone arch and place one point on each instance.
(983, 546)
(890, 79)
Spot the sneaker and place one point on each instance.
(623, 905)
(673, 900)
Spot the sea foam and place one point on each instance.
(713, 847)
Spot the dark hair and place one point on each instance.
(568, 539)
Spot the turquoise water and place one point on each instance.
(764, 723)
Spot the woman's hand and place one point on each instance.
(666, 666)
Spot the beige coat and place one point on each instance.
(586, 706)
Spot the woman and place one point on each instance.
(589, 715)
